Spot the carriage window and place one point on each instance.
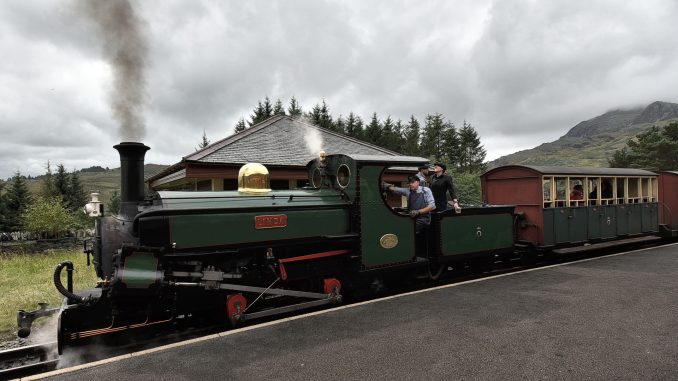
(547, 182)
(592, 183)
(648, 191)
(621, 190)
(655, 190)
(577, 191)
(634, 190)
(607, 185)
(561, 192)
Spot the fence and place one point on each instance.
(30, 236)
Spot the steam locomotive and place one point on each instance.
(246, 254)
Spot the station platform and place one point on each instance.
(613, 317)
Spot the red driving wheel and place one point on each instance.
(235, 308)
(332, 284)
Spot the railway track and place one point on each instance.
(26, 360)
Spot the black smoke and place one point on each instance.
(125, 48)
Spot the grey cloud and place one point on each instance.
(520, 72)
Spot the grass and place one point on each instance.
(26, 279)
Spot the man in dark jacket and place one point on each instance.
(440, 185)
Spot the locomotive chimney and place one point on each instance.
(131, 176)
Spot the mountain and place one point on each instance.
(590, 143)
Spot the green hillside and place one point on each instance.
(591, 143)
(105, 181)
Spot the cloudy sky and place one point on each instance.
(521, 72)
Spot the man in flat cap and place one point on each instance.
(420, 202)
(440, 185)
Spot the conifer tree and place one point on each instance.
(76, 197)
(433, 137)
(3, 209)
(278, 109)
(340, 125)
(412, 137)
(471, 152)
(294, 110)
(61, 181)
(387, 138)
(240, 126)
(451, 145)
(47, 189)
(354, 126)
(399, 137)
(17, 199)
(204, 143)
(320, 116)
(262, 112)
(373, 130)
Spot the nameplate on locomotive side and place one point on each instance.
(270, 221)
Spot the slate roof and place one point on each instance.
(277, 141)
(280, 140)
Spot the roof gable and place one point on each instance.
(280, 140)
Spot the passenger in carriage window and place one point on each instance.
(577, 193)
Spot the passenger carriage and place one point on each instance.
(615, 203)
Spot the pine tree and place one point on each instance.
(3, 209)
(387, 139)
(278, 109)
(294, 110)
(240, 126)
(399, 137)
(268, 108)
(452, 153)
(412, 132)
(61, 181)
(340, 125)
(471, 152)
(354, 126)
(373, 130)
(320, 116)
(262, 112)
(433, 138)
(76, 197)
(47, 189)
(204, 143)
(17, 199)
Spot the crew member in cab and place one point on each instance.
(423, 175)
(420, 202)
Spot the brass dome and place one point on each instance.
(253, 178)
